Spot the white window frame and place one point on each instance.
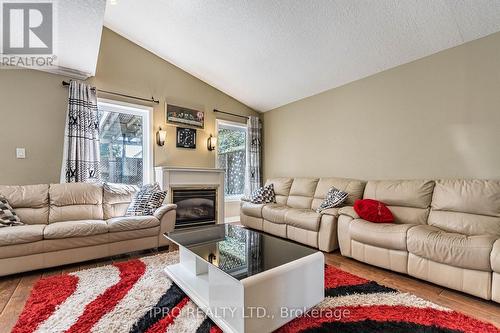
(218, 122)
(146, 113)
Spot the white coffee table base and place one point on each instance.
(259, 303)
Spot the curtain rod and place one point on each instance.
(231, 114)
(65, 83)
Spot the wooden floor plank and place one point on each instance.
(14, 307)
(7, 288)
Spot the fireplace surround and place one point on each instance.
(181, 181)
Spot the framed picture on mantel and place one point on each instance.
(184, 116)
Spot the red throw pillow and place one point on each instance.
(373, 211)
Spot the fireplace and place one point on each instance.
(175, 179)
(195, 206)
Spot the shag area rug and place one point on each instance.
(137, 296)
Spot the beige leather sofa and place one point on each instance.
(67, 223)
(446, 232)
(293, 216)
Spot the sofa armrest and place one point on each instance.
(160, 211)
(331, 212)
(348, 211)
(245, 199)
(166, 214)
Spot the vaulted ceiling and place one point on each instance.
(267, 53)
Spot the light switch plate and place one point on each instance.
(20, 153)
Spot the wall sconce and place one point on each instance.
(161, 136)
(211, 142)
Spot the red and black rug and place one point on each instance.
(136, 296)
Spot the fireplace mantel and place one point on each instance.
(178, 177)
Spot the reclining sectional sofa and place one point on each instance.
(294, 216)
(445, 231)
(67, 223)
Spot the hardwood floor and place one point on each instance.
(15, 289)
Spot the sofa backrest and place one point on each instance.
(354, 187)
(30, 202)
(75, 201)
(116, 199)
(281, 188)
(408, 200)
(470, 207)
(302, 192)
(309, 193)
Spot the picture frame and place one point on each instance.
(186, 138)
(184, 116)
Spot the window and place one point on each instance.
(125, 142)
(231, 156)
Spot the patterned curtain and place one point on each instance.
(81, 139)
(254, 148)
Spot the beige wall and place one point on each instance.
(435, 117)
(33, 107)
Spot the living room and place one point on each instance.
(290, 166)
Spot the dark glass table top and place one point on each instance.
(238, 251)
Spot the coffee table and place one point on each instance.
(245, 280)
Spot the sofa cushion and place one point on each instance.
(116, 199)
(469, 207)
(149, 198)
(21, 234)
(354, 187)
(281, 188)
(459, 250)
(373, 211)
(385, 235)
(334, 198)
(302, 192)
(480, 197)
(31, 202)
(251, 209)
(8, 216)
(75, 229)
(464, 223)
(303, 218)
(495, 257)
(75, 201)
(275, 213)
(406, 193)
(409, 200)
(264, 195)
(126, 223)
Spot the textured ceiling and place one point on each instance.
(78, 28)
(76, 31)
(268, 53)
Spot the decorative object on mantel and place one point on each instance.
(211, 142)
(161, 137)
(186, 138)
(185, 116)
